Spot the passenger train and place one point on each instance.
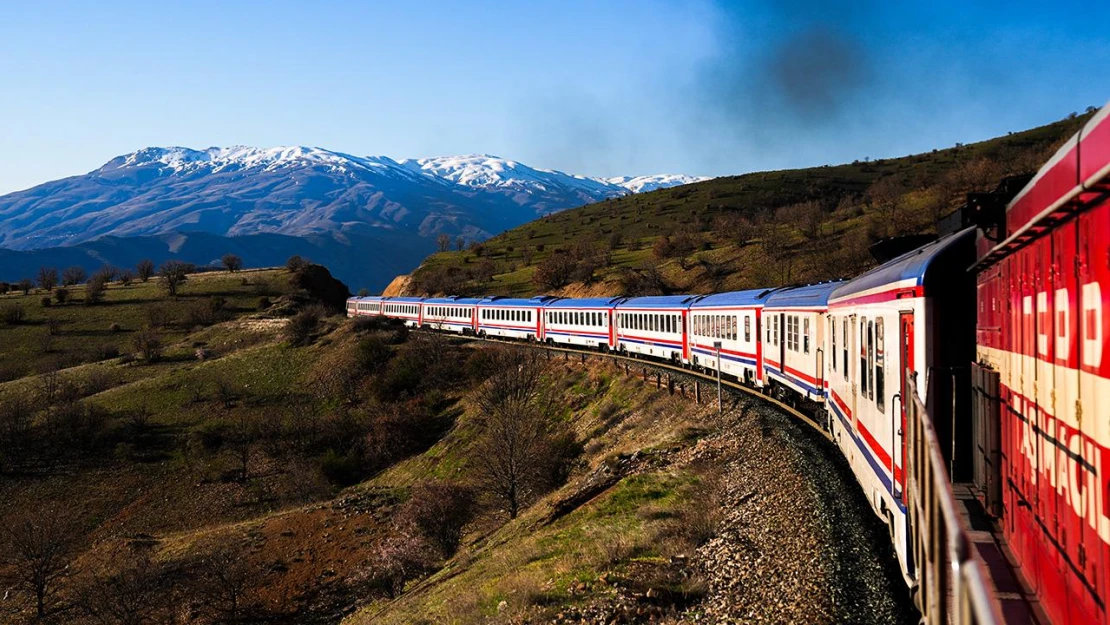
(999, 323)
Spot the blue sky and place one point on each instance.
(598, 88)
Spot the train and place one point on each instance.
(997, 325)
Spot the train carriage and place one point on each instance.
(511, 317)
(588, 322)
(908, 317)
(451, 314)
(793, 350)
(735, 320)
(654, 326)
(1042, 381)
(406, 309)
(366, 306)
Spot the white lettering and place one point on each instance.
(1091, 322)
(1042, 324)
(1063, 327)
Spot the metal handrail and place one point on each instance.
(951, 587)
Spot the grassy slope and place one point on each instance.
(928, 184)
(537, 565)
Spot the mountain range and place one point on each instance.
(269, 203)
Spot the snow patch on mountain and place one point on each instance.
(643, 184)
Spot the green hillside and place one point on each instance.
(759, 229)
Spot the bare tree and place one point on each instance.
(172, 274)
(37, 549)
(232, 262)
(443, 242)
(440, 511)
(25, 285)
(460, 243)
(127, 591)
(517, 454)
(94, 290)
(73, 275)
(145, 269)
(224, 583)
(48, 278)
(149, 344)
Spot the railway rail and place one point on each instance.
(953, 587)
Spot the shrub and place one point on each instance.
(264, 303)
(94, 291)
(14, 314)
(45, 301)
(61, 294)
(148, 343)
(301, 327)
(295, 263)
(232, 262)
(373, 354)
(5, 287)
(341, 469)
(145, 269)
(171, 275)
(440, 511)
(54, 326)
(114, 327)
(159, 315)
(126, 277)
(73, 275)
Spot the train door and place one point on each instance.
(905, 365)
(780, 338)
(759, 346)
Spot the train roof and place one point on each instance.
(453, 301)
(812, 295)
(404, 300)
(659, 301)
(364, 298)
(909, 266)
(751, 297)
(584, 302)
(515, 301)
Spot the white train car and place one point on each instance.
(734, 319)
(793, 339)
(451, 314)
(406, 309)
(654, 326)
(368, 306)
(510, 317)
(921, 301)
(588, 322)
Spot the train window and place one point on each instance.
(832, 337)
(863, 356)
(871, 356)
(747, 329)
(805, 335)
(844, 349)
(880, 373)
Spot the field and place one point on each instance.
(248, 472)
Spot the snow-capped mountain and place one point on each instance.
(298, 191)
(644, 184)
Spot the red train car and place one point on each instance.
(1043, 279)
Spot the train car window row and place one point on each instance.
(721, 327)
(450, 311)
(649, 322)
(401, 309)
(577, 318)
(506, 314)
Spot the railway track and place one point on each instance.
(710, 377)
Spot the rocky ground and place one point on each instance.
(793, 540)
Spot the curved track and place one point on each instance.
(732, 384)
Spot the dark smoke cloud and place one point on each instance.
(786, 65)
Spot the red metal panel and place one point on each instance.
(1094, 147)
(1059, 176)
